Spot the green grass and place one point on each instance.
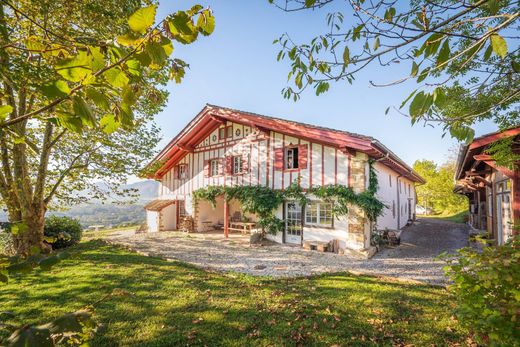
(171, 303)
(92, 234)
(453, 217)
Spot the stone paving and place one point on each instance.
(413, 260)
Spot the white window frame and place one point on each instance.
(214, 167)
(313, 214)
(236, 164)
(291, 156)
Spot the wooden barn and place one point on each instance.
(493, 190)
(225, 147)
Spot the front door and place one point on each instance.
(293, 223)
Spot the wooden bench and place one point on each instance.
(319, 246)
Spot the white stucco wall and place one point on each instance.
(169, 217)
(152, 221)
(391, 195)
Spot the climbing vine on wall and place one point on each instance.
(263, 201)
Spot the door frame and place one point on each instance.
(284, 234)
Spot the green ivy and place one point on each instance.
(263, 201)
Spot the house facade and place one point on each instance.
(493, 190)
(227, 147)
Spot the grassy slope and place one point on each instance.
(456, 217)
(173, 303)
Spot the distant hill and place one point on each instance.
(147, 189)
(110, 214)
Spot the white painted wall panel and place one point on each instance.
(152, 221)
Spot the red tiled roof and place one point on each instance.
(212, 116)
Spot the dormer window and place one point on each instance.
(291, 158)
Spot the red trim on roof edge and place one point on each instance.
(206, 121)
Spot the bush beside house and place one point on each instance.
(62, 231)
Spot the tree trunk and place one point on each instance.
(29, 239)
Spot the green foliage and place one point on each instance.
(263, 201)
(173, 303)
(259, 200)
(463, 58)
(15, 265)
(71, 329)
(486, 287)
(502, 152)
(62, 232)
(437, 193)
(81, 84)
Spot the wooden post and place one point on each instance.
(226, 218)
(515, 187)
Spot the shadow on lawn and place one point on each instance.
(172, 303)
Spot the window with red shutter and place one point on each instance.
(206, 168)
(278, 159)
(236, 164)
(302, 156)
(176, 172)
(214, 167)
(229, 165)
(291, 158)
(182, 172)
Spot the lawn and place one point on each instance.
(454, 217)
(171, 303)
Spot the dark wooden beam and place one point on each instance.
(486, 158)
(187, 148)
(478, 173)
(348, 151)
(218, 119)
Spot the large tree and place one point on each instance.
(79, 84)
(437, 193)
(464, 55)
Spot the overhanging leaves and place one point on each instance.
(142, 19)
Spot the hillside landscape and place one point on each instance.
(110, 213)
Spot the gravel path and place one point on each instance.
(412, 260)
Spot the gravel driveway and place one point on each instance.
(412, 260)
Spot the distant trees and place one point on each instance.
(437, 193)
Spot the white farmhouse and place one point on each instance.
(227, 147)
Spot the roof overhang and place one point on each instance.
(471, 155)
(158, 204)
(211, 117)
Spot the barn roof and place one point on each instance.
(212, 116)
(468, 152)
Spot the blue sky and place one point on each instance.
(236, 67)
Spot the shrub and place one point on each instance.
(6, 240)
(486, 286)
(62, 232)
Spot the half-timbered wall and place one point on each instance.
(324, 164)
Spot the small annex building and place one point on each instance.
(493, 190)
(226, 147)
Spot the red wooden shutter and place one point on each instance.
(221, 166)
(245, 163)
(207, 167)
(278, 159)
(302, 156)
(176, 172)
(229, 165)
